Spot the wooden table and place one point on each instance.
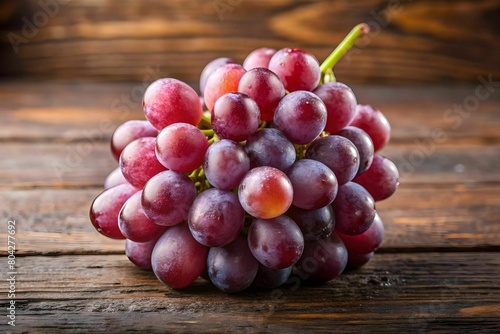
(438, 269)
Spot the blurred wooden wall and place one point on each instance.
(424, 41)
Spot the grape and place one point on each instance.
(225, 165)
(301, 116)
(276, 243)
(340, 104)
(324, 259)
(138, 161)
(139, 253)
(297, 69)
(224, 79)
(167, 197)
(265, 88)
(355, 260)
(258, 58)
(354, 209)
(265, 192)
(270, 147)
(210, 68)
(367, 241)
(178, 259)
(381, 179)
(232, 268)
(314, 184)
(271, 278)
(134, 225)
(128, 132)
(167, 101)
(235, 116)
(337, 153)
(181, 147)
(105, 208)
(363, 143)
(114, 178)
(373, 122)
(314, 224)
(216, 217)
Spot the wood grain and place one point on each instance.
(417, 218)
(77, 112)
(412, 42)
(393, 293)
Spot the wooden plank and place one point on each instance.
(393, 293)
(88, 163)
(412, 41)
(417, 218)
(78, 112)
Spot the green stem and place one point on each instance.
(344, 46)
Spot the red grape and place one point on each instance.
(265, 192)
(178, 259)
(373, 122)
(381, 179)
(168, 101)
(106, 207)
(340, 104)
(297, 69)
(181, 147)
(258, 58)
(128, 132)
(223, 80)
(138, 161)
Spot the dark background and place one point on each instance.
(413, 42)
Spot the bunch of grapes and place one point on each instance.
(279, 175)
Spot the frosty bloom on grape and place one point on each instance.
(453, 116)
(121, 107)
(31, 27)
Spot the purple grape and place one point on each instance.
(232, 268)
(139, 253)
(138, 161)
(323, 260)
(314, 184)
(178, 259)
(235, 116)
(271, 278)
(216, 217)
(134, 225)
(114, 178)
(356, 260)
(258, 58)
(106, 207)
(225, 165)
(297, 69)
(374, 123)
(337, 153)
(265, 88)
(367, 241)
(381, 179)
(314, 224)
(128, 132)
(210, 68)
(354, 209)
(301, 116)
(270, 147)
(181, 147)
(168, 101)
(276, 243)
(363, 143)
(167, 198)
(340, 104)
